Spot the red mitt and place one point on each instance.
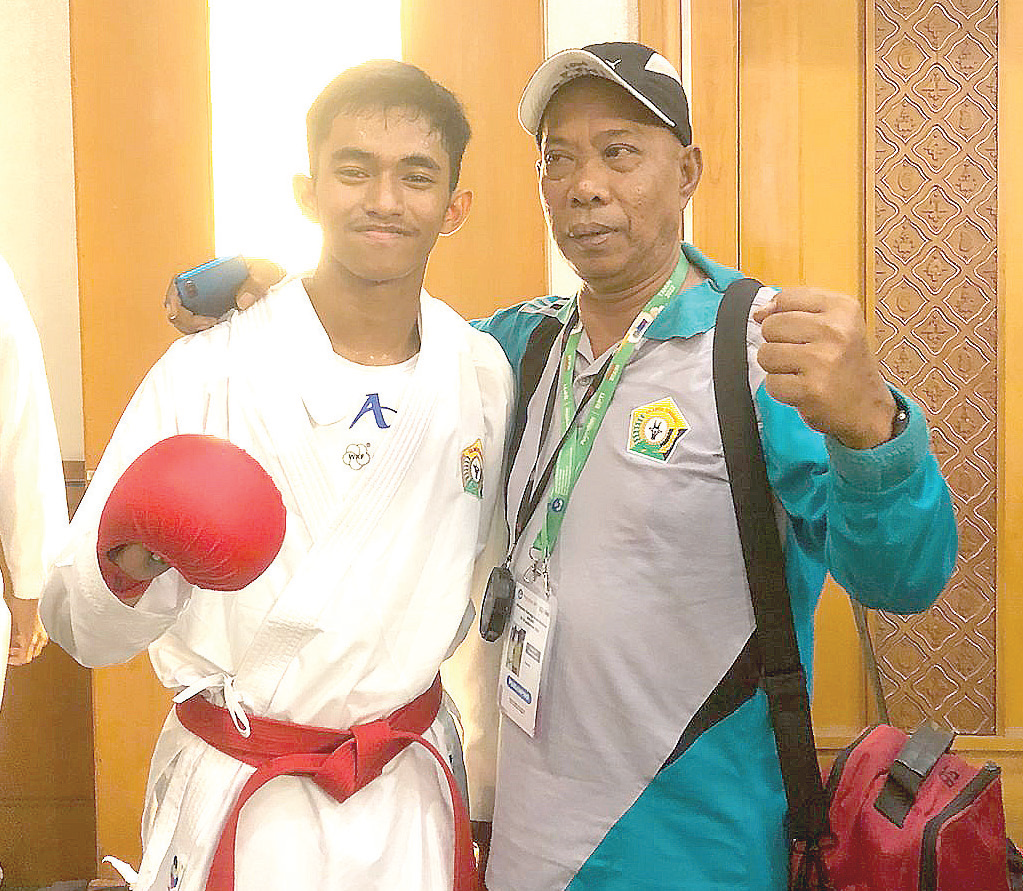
(202, 504)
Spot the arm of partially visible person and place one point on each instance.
(263, 275)
(862, 489)
(33, 500)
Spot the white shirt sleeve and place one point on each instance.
(33, 498)
(78, 611)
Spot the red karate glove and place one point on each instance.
(203, 505)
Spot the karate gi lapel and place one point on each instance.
(339, 529)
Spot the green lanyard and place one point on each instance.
(578, 442)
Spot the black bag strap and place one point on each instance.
(534, 359)
(1015, 866)
(784, 679)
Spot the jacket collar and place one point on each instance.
(694, 310)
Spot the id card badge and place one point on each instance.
(525, 651)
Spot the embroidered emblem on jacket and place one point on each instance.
(656, 428)
(357, 455)
(472, 469)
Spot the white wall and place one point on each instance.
(37, 205)
(579, 22)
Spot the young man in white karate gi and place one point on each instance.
(380, 415)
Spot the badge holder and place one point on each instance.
(500, 591)
(533, 613)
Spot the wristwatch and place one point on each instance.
(900, 421)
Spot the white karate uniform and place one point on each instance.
(351, 620)
(33, 499)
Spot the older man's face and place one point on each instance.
(613, 184)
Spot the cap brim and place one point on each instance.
(558, 70)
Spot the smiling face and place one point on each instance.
(614, 183)
(381, 192)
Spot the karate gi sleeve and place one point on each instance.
(879, 520)
(470, 677)
(33, 499)
(471, 673)
(79, 612)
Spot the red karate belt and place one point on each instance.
(341, 762)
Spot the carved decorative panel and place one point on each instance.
(934, 145)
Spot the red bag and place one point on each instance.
(929, 820)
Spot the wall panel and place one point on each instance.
(144, 194)
(812, 209)
(47, 803)
(144, 205)
(715, 117)
(660, 27)
(1010, 375)
(933, 171)
(484, 53)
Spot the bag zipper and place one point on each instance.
(928, 847)
(835, 774)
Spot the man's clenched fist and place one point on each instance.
(818, 360)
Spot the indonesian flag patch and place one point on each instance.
(655, 428)
(472, 469)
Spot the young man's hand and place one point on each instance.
(263, 275)
(28, 637)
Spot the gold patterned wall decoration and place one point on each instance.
(932, 150)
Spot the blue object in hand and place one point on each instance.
(210, 289)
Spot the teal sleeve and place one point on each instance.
(511, 329)
(879, 520)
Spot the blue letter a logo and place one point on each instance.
(372, 404)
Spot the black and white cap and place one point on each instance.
(639, 70)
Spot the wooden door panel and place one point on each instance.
(816, 84)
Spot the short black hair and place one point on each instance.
(385, 84)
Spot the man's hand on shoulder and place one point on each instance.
(263, 275)
(818, 360)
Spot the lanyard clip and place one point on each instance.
(537, 570)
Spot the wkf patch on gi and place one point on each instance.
(655, 429)
(472, 469)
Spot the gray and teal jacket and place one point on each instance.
(654, 765)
